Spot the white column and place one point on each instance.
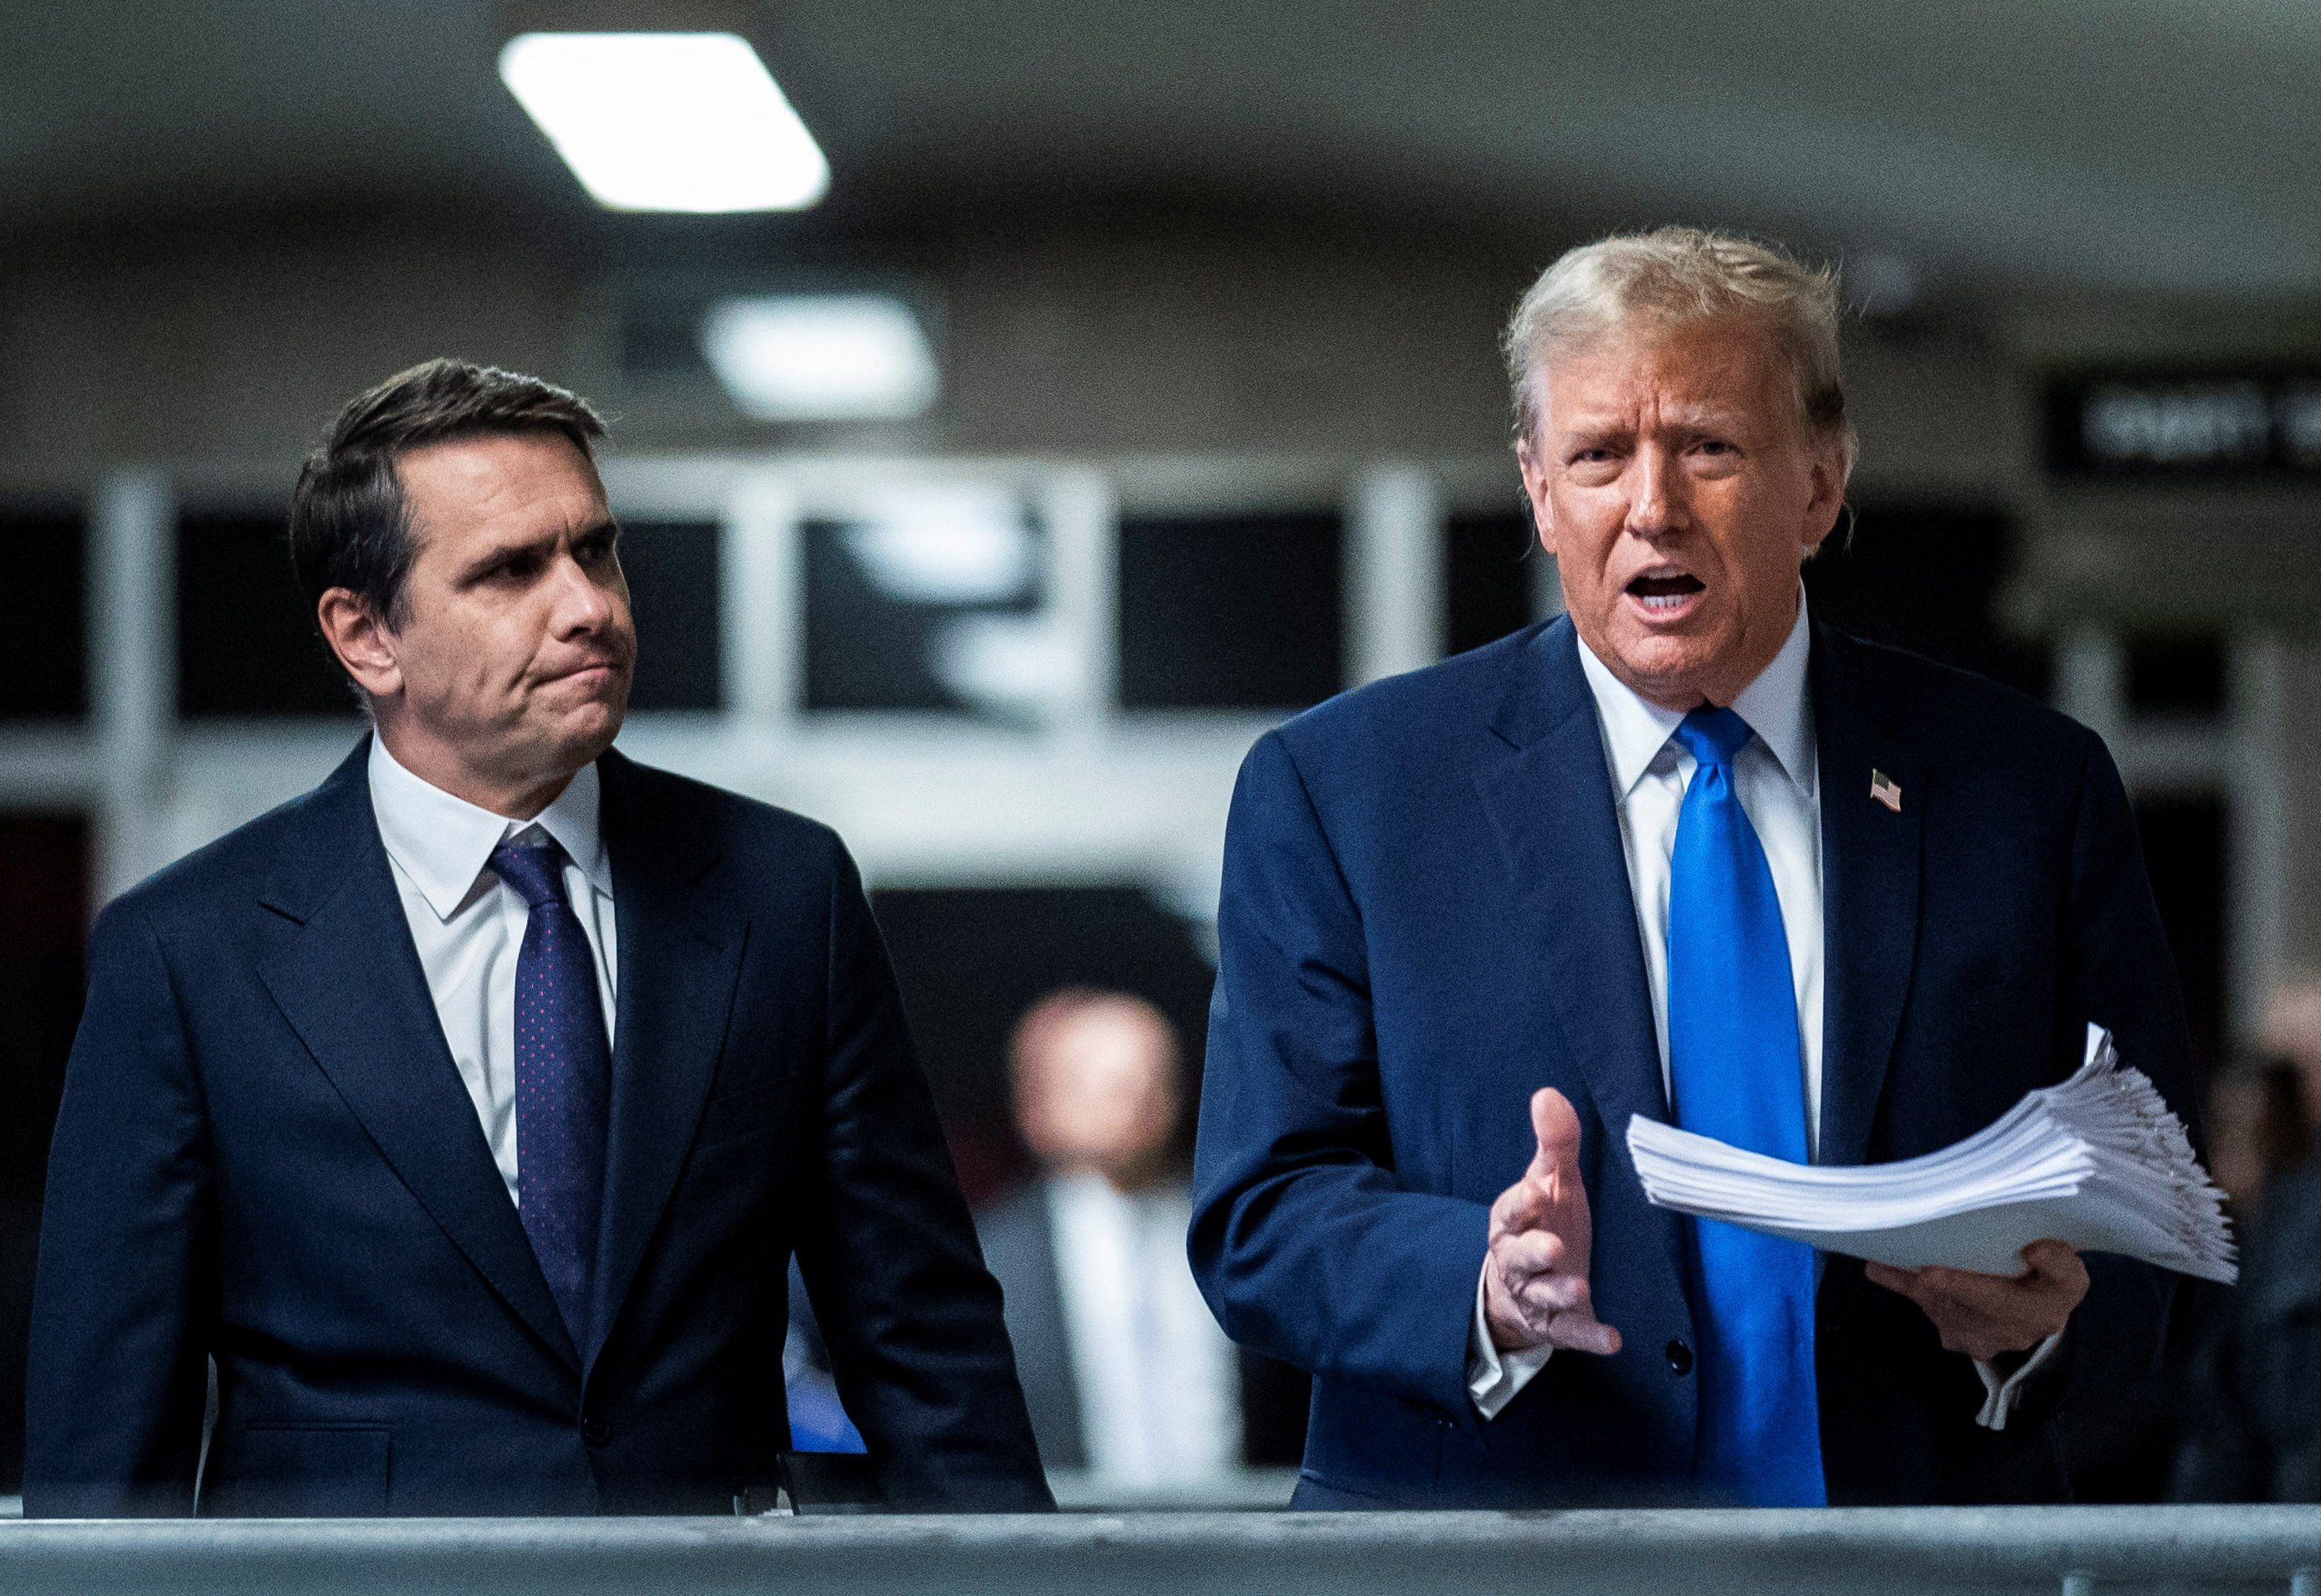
(2091, 682)
(1395, 610)
(1083, 607)
(2261, 868)
(133, 656)
(762, 611)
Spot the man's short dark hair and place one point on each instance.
(349, 525)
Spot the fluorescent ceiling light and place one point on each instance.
(834, 357)
(667, 121)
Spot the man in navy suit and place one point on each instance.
(1683, 853)
(464, 1114)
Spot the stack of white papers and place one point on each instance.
(2097, 1161)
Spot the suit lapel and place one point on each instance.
(681, 958)
(346, 975)
(1550, 802)
(1872, 859)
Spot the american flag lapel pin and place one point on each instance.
(1886, 790)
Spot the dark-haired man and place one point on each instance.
(464, 1113)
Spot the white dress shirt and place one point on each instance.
(1777, 777)
(1159, 1387)
(469, 926)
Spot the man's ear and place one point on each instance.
(1535, 481)
(362, 641)
(1827, 504)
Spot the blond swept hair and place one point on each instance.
(1674, 277)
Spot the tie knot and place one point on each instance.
(1713, 736)
(537, 874)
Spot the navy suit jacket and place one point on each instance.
(266, 1158)
(1426, 916)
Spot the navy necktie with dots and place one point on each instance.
(564, 1081)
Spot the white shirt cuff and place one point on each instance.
(1495, 1377)
(1999, 1393)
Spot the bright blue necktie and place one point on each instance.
(564, 1081)
(1737, 1074)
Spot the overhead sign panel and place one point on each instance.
(2196, 425)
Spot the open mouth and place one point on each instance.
(1665, 593)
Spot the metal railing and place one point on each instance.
(2073, 1551)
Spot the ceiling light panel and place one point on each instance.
(821, 356)
(667, 121)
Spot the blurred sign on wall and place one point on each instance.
(2210, 423)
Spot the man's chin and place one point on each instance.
(581, 734)
(592, 734)
(1671, 671)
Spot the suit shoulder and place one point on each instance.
(1417, 710)
(1958, 706)
(751, 825)
(227, 870)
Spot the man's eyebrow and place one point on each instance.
(503, 553)
(1599, 421)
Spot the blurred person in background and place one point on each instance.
(2251, 1418)
(2136, 1445)
(2292, 1032)
(1689, 854)
(2258, 1129)
(465, 1114)
(1126, 1373)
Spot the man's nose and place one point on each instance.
(1658, 503)
(582, 603)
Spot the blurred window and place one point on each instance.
(2176, 677)
(1230, 612)
(247, 643)
(1488, 576)
(931, 598)
(673, 595)
(2183, 837)
(1926, 576)
(43, 613)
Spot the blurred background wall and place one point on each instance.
(1209, 295)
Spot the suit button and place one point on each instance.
(1679, 1357)
(596, 1431)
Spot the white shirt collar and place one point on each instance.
(1775, 705)
(443, 843)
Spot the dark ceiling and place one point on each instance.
(2137, 143)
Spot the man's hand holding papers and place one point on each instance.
(2098, 1163)
(1990, 1316)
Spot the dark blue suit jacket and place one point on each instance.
(266, 1158)
(1426, 916)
